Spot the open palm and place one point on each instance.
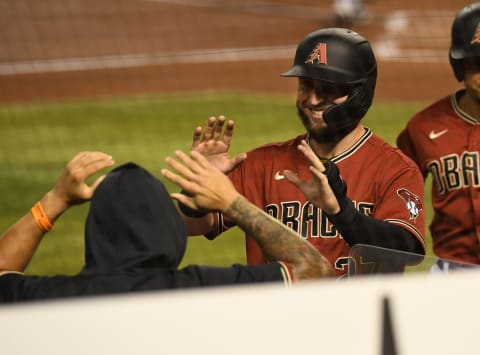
(213, 142)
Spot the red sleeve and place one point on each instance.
(405, 144)
(287, 273)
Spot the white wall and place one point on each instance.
(432, 314)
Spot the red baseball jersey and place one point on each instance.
(381, 181)
(445, 142)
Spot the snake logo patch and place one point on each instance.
(318, 55)
(413, 203)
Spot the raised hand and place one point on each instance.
(19, 242)
(316, 189)
(71, 188)
(209, 188)
(213, 142)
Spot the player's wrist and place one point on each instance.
(345, 215)
(228, 200)
(188, 211)
(53, 204)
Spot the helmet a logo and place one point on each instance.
(476, 36)
(413, 203)
(318, 55)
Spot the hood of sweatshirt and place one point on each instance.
(132, 224)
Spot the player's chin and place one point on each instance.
(316, 122)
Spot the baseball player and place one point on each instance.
(378, 190)
(444, 140)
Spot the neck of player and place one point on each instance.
(331, 150)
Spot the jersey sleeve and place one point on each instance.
(241, 274)
(406, 145)
(402, 201)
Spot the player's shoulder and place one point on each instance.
(438, 109)
(373, 150)
(390, 162)
(389, 153)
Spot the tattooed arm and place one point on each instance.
(279, 242)
(212, 190)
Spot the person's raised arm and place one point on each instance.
(212, 190)
(327, 190)
(19, 242)
(213, 142)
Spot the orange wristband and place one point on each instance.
(41, 218)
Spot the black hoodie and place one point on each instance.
(135, 240)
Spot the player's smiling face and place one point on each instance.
(313, 98)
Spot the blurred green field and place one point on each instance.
(38, 139)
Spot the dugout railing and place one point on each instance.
(368, 260)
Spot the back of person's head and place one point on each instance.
(465, 38)
(339, 56)
(132, 224)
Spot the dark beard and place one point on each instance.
(323, 135)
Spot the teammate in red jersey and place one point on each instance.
(444, 140)
(336, 71)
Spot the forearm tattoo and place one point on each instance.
(278, 242)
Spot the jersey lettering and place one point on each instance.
(470, 169)
(365, 208)
(434, 168)
(307, 220)
(344, 264)
(454, 172)
(291, 214)
(272, 210)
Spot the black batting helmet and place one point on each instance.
(340, 56)
(465, 38)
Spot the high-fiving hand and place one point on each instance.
(213, 142)
(71, 187)
(210, 188)
(317, 189)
